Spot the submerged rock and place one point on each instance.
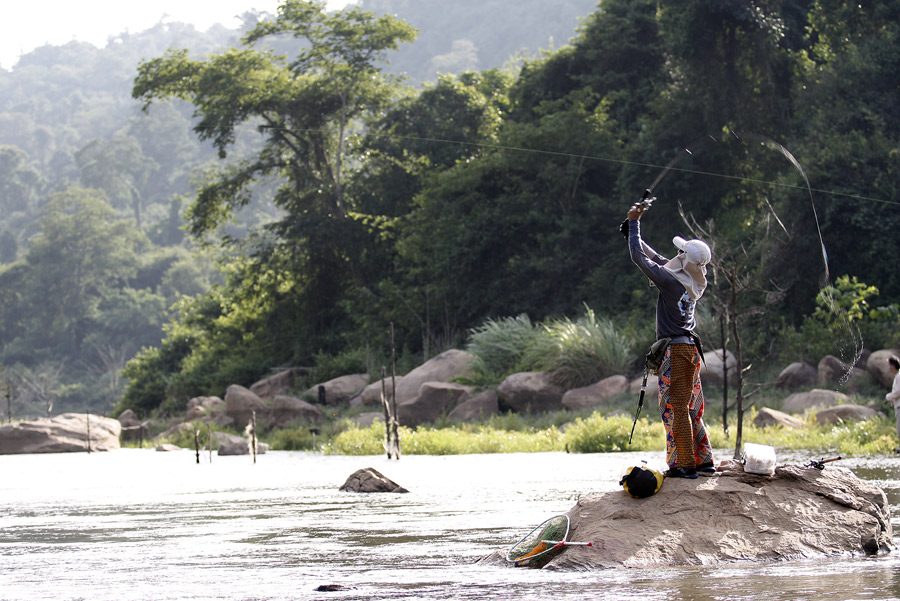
(729, 517)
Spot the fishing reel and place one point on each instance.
(644, 203)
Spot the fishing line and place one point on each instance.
(671, 166)
(826, 290)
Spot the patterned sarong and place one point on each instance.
(681, 403)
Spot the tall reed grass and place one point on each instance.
(577, 353)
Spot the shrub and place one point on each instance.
(581, 352)
(500, 345)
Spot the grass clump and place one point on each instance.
(876, 436)
(578, 352)
(446, 441)
(581, 352)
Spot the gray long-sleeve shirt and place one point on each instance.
(674, 307)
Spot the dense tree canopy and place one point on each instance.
(338, 199)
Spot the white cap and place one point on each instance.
(690, 266)
(697, 251)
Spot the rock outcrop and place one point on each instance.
(480, 407)
(288, 409)
(241, 404)
(597, 394)
(772, 417)
(817, 397)
(203, 407)
(132, 428)
(63, 433)
(279, 383)
(799, 374)
(531, 392)
(435, 400)
(370, 480)
(877, 365)
(337, 390)
(371, 394)
(845, 413)
(442, 368)
(713, 367)
(731, 516)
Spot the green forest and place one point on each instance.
(187, 210)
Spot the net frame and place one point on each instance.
(540, 542)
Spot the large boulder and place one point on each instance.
(845, 413)
(729, 517)
(817, 397)
(204, 407)
(480, 407)
(287, 409)
(281, 382)
(371, 394)
(446, 366)
(531, 392)
(877, 365)
(231, 444)
(435, 400)
(132, 427)
(338, 390)
(799, 374)
(65, 433)
(833, 371)
(240, 404)
(598, 393)
(772, 417)
(713, 366)
(370, 480)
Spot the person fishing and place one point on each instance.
(681, 282)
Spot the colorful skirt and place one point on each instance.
(681, 404)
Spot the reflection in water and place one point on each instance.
(142, 525)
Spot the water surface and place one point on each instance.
(140, 525)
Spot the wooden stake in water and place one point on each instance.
(87, 420)
(253, 435)
(197, 444)
(387, 414)
(394, 423)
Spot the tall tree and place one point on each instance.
(305, 107)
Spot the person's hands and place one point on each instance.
(635, 212)
(638, 208)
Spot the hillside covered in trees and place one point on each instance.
(207, 206)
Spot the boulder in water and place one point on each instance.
(731, 516)
(63, 433)
(370, 480)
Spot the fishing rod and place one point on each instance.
(820, 464)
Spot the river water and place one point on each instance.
(138, 525)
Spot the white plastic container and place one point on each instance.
(758, 459)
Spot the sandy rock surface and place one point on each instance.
(731, 516)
